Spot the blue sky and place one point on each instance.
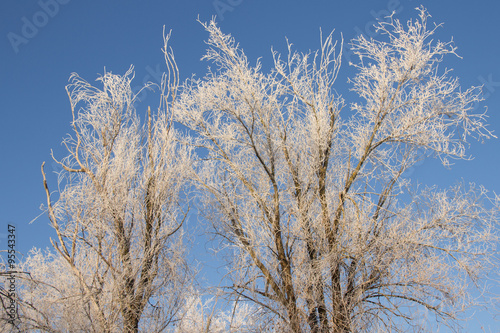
(43, 42)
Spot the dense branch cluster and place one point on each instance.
(305, 191)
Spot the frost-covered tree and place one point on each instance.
(118, 259)
(307, 192)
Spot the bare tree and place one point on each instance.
(326, 234)
(118, 264)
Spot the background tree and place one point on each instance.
(203, 314)
(326, 234)
(118, 264)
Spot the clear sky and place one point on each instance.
(43, 42)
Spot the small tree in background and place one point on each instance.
(326, 234)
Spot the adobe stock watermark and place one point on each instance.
(368, 30)
(154, 75)
(487, 84)
(32, 24)
(488, 89)
(10, 285)
(409, 172)
(222, 6)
